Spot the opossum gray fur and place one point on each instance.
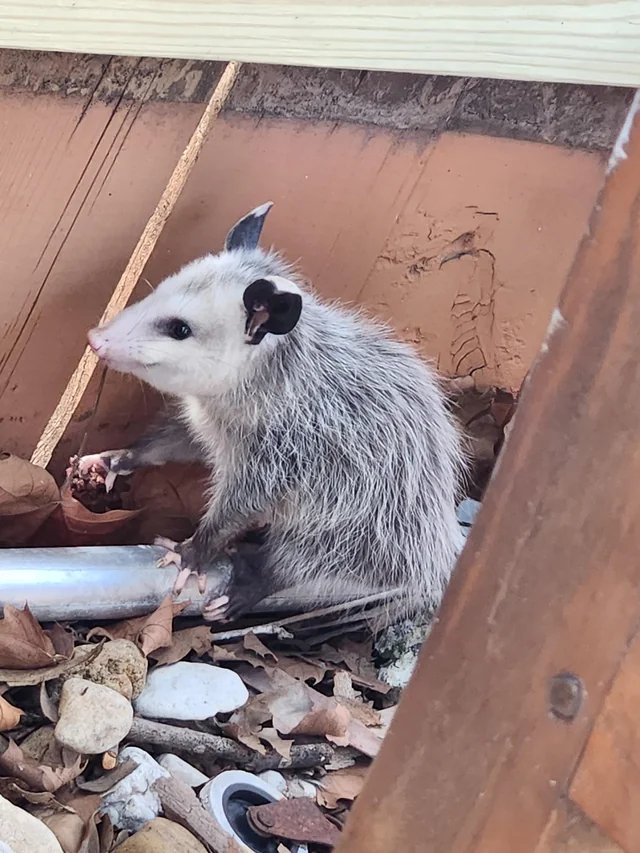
(324, 427)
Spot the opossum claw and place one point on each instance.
(216, 610)
(181, 580)
(86, 463)
(174, 557)
(170, 558)
(112, 463)
(169, 544)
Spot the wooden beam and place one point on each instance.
(578, 41)
(546, 597)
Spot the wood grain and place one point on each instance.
(73, 202)
(607, 780)
(570, 831)
(81, 377)
(587, 41)
(549, 581)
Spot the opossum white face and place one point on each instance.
(204, 328)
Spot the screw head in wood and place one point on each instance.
(566, 693)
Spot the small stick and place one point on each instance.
(180, 804)
(261, 630)
(278, 624)
(172, 738)
(77, 385)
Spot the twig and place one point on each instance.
(81, 377)
(180, 804)
(275, 626)
(264, 630)
(174, 738)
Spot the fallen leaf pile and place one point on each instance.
(316, 714)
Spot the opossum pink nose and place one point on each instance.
(96, 343)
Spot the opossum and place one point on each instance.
(313, 420)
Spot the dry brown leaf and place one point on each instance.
(281, 746)
(254, 644)
(304, 669)
(10, 789)
(23, 643)
(246, 723)
(147, 632)
(85, 833)
(236, 653)
(106, 838)
(62, 640)
(246, 737)
(47, 705)
(345, 694)
(28, 496)
(196, 640)
(366, 740)
(68, 828)
(341, 785)
(109, 779)
(31, 677)
(9, 715)
(41, 745)
(301, 710)
(39, 777)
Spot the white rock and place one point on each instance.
(93, 718)
(190, 691)
(275, 779)
(21, 832)
(180, 769)
(300, 788)
(132, 802)
(289, 787)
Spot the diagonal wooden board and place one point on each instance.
(79, 381)
(475, 761)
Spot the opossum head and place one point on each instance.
(204, 329)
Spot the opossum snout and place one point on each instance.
(97, 342)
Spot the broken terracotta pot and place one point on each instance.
(86, 527)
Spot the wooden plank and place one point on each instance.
(476, 759)
(607, 780)
(570, 831)
(580, 41)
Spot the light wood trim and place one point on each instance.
(579, 41)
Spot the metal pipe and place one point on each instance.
(118, 582)
(113, 582)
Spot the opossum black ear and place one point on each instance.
(245, 234)
(269, 310)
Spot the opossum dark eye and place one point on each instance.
(178, 329)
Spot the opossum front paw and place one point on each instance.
(181, 555)
(113, 463)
